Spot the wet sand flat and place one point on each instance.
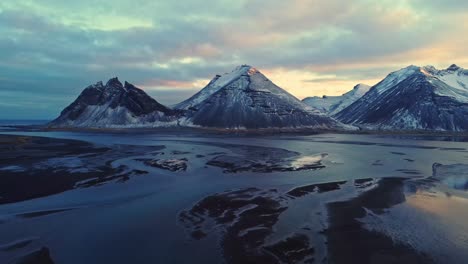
(115, 198)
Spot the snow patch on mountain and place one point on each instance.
(322, 104)
(213, 86)
(333, 104)
(395, 78)
(456, 79)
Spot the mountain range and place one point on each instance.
(413, 98)
(242, 99)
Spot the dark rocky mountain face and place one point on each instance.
(250, 100)
(411, 99)
(113, 104)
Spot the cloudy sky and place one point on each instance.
(51, 49)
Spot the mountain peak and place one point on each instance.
(218, 82)
(360, 85)
(453, 67)
(411, 67)
(114, 82)
(97, 85)
(413, 98)
(244, 68)
(252, 71)
(245, 98)
(114, 105)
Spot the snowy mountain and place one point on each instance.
(245, 98)
(414, 98)
(331, 105)
(322, 104)
(218, 82)
(115, 105)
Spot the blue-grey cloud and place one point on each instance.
(51, 50)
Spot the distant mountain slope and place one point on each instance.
(414, 98)
(245, 98)
(323, 104)
(114, 105)
(331, 105)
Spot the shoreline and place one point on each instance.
(236, 132)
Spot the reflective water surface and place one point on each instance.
(237, 199)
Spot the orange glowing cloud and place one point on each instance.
(303, 83)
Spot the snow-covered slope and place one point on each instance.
(455, 77)
(213, 86)
(322, 104)
(245, 98)
(331, 105)
(421, 98)
(115, 105)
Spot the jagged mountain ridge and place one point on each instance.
(331, 105)
(246, 99)
(114, 105)
(414, 98)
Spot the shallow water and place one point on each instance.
(137, 221)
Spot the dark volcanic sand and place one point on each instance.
(40, 256)
(233, 164)
(245, 218)
(38, 166)
(293, 249)
(319, 187)
(167, 164)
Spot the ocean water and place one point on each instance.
(22, 122)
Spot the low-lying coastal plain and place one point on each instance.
(198, 197)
